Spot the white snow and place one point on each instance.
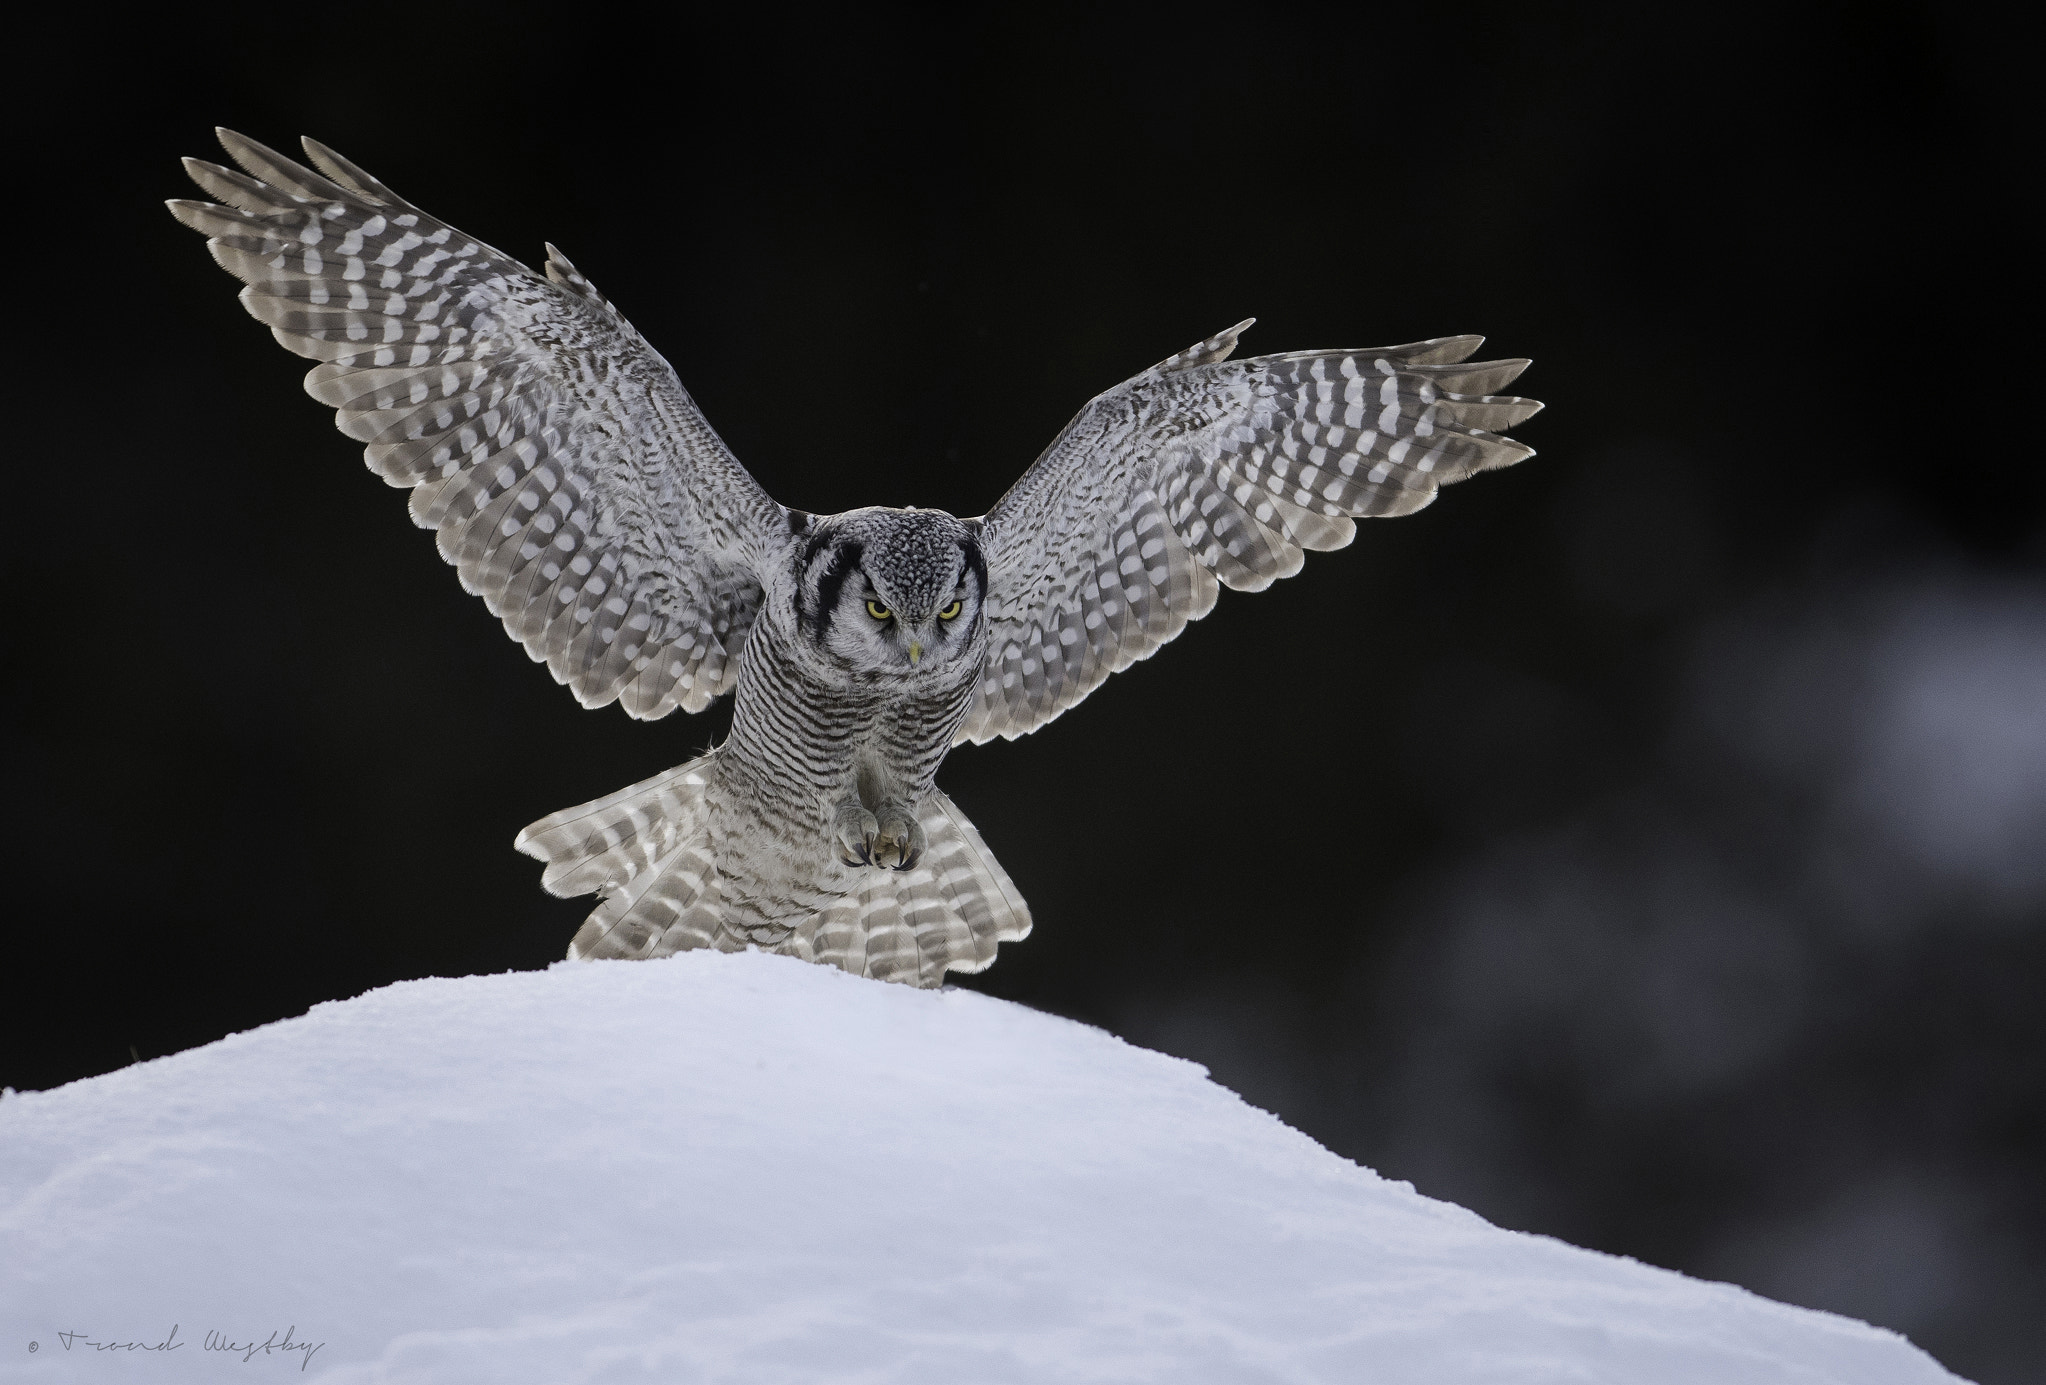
(747, 1168)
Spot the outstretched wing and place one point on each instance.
(1202, 473)
(574, 484)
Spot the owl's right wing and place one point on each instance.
(574, 484)
(1204, 473)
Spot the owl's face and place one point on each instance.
(892, 591)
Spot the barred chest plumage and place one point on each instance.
(813, 735)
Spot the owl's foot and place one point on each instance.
(893, 841)
(901, 842)
(856, 828)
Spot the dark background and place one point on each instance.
(1645, 845)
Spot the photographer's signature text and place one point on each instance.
(274, 1344)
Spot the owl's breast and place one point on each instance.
(805, 728)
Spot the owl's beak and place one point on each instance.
(916, 651)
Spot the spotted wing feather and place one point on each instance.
(571, 479)
(1204, 473)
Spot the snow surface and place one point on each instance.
(746, 1168)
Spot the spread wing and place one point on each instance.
(573, 483)
(1203, 473)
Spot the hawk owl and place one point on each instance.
(577, 489)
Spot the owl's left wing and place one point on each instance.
(1205, 472)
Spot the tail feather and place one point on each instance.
(609, 841)
(982, 900)
(646, 850)
(669, 908)
(866, 934)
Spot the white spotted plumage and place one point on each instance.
(577, 489)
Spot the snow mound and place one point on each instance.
(741, 1167)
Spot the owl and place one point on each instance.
(577, 489)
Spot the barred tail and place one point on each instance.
(948, 914)
(646, 852)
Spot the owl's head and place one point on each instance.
(892, 591)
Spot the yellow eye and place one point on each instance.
(950, 612)
(877, 610)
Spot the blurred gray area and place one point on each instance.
(1793, 963)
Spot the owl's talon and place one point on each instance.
(857, 829)
(901, 842)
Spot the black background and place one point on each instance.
(1525, 850)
